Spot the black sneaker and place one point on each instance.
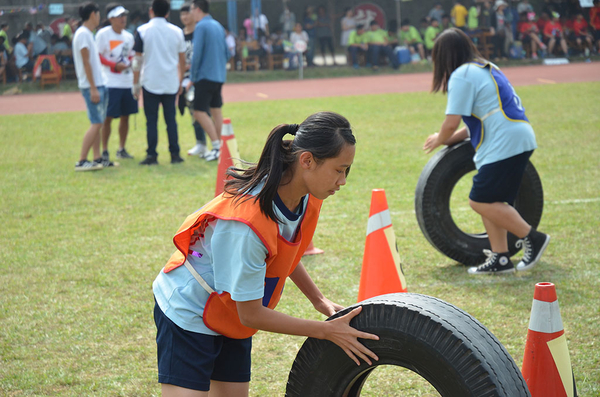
(176, 158)
(495, 264)
(106, 163)
(85, 165)
(105, 156)
(149, 160)
(213, 155)
(534, 246)
(123, 154)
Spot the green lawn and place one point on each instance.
(79, 251)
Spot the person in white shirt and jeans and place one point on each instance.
(92, 84)
(160, 60)
(115, 45)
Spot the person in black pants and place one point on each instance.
(160, 58)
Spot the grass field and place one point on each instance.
(79, 251)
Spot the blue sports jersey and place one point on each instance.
(492, 112)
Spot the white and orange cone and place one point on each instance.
(546, 362)
(381, 269)
(230, 155)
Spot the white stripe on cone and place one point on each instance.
(379, 221)
(545, 317)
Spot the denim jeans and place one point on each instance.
(354, 51)
(151, 104)
(376, 50)
(96, 112)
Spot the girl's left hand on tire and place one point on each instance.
(342, 334)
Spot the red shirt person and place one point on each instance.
(553, 31)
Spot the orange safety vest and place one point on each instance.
(220, 311)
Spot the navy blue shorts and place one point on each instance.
(500, 181)
(121, 103)
(190, 359)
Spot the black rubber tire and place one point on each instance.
(455, 353)
(432, 205)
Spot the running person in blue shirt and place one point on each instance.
(480, 94)
(234, 255)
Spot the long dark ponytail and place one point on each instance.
(323, 134)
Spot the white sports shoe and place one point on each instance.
(198, 150)
(213, 155)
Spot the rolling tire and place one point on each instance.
(432, 205)
(455, 353)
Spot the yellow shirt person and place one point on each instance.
(459, 15)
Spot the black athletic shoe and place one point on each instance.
(176, 159)
(106, 163)
(149, 160)
(123, 154)
(496, 263)
(85, 165)
(534, 246)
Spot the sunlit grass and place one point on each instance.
(79, 251)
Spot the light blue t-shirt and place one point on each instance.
(21, 55)
(492, 111)
(230, 257)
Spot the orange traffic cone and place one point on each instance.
(546, 363)
(381, 269)
(312, 250)
(229, 156)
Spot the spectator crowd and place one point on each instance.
(501, 29)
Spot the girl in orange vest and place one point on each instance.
(235, 253)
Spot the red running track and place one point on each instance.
(295, 89)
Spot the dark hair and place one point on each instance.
(451, 49)
(3, 25)
(323, 134)
(360, 26)
(445, 16)
(111, 6)
(373, 23)
(86, 9)
(203, 5)
(185, 7)
(161, 8)
(405, 22)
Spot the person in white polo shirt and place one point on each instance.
(160, 59)
(92, 84)
(115, 45)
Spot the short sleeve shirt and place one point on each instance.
(459, 13)
(117, 48)
(412, 36)
(356, 38)
(230, 257)
(161, 43)
(472, 91)
(84, 38)
(21, 57)
(378, 36)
